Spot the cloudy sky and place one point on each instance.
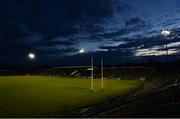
(119, 31)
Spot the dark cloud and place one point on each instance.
(114, 34)
(33, 25)
(134, 21)
(123, 8)
(55, 28)
(53, 18)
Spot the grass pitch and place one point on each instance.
(43, 96)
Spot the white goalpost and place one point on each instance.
(92, 74)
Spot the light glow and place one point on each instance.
(166, 32)
(82, 50)
(32, 56)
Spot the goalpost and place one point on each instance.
(92, 74)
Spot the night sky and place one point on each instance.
(120, 31)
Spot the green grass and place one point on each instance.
(42, 96)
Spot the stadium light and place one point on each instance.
(82, 50)
(31, 56)
(166, 33)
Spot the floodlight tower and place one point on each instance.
(102, 74)
(166, 33)
(92, 74)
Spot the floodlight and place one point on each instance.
(32, 56)
(82, 50)
(166, 32)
